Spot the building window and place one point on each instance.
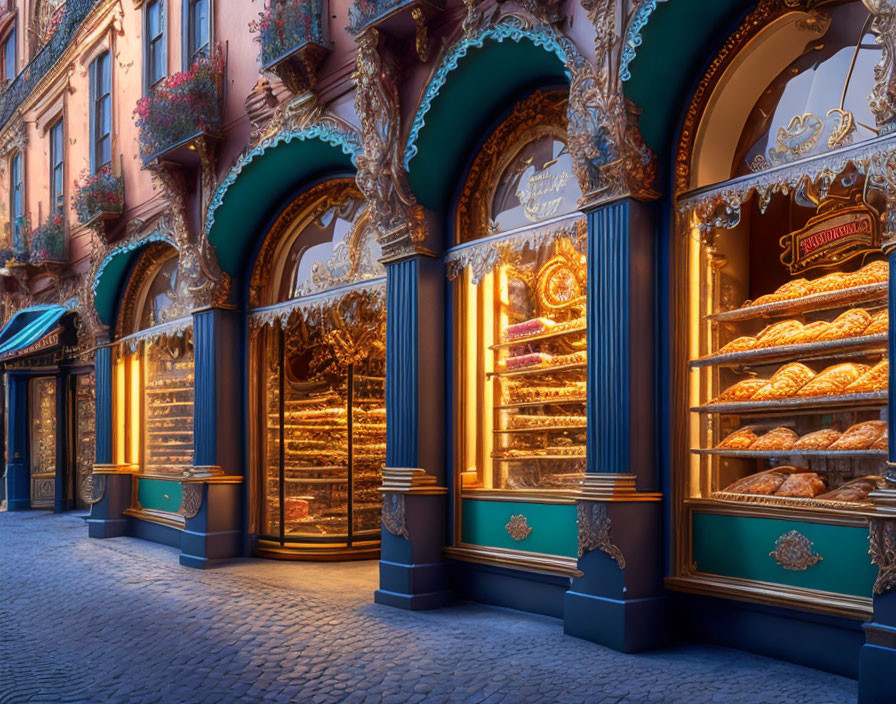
(17, 197)
(9, 56)
(198, 25)
(156, 49)
(57, 169)
(101, 111)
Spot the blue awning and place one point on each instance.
(31, 330)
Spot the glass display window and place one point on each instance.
(43, 442)
(85, 436)
(520, 274)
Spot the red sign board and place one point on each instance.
(832, 238)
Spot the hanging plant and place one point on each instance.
(47, 242)
(285, 25)
(98, 194)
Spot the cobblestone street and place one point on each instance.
(121, 621)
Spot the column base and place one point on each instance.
(628, 626)
(18, 504)
(413, 587)
(877, 662)
(106, 528)
(201, 550)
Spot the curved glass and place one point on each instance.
(820, 101)
(537, 185)
(160, 295)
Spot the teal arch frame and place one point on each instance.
(264, 178)
(436, 148)
(109, 278)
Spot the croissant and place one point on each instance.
(874, 273)
(882, 443)
(860, 436)
(875, 379)
(805, 485)
(809, 333)
(773, 335)
(785, 382)
(741, 391)
(819, 440)
(740, 344)
(761, 483)
(831, 282)
(880, 323)
(777, 439)
(855, 490)
(850, 323)
(833, 380)
(738, 440)
(792, 289)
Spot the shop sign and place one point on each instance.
(832, 238)
(544, 196)
(47, 341)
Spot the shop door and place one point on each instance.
(85, 439)
(43, 442)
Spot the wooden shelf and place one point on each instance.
(527, 458)
(535, 404)
(780, 454)
(538, 338)
(529, 371)
(543, 429)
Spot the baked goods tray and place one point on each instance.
(537, 338)
(543, 402)
(768, 355)
(542, 428)
(817, 301)
(873, 398)
(786, 501)
(784, 454)
(528, 371)
(525, 458)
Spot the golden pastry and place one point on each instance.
(819, 440)
(860, 436)
(792, 289)
(738, 440)
(785, 382)
(740, 344)
(833, 380)
(773, 335)
(875, 379)
(874, 273)
(775, 440)
(879, 325)
(804, 484)
(741, 391)
(831, 282)
(809, 333)
(761, 483)
(856, 490)
(882, 443)
(850, 323)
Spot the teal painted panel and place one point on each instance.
(159, 494)
(554, 530)
(737, 546)
(108, 288)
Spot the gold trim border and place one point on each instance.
(172, 520)
(516, 560)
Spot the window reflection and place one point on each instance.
(159, 295)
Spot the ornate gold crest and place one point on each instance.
(794, 551)
(518, 527)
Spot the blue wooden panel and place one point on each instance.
(205, 403)
(103, 369)
(402, 335)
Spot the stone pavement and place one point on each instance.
(121, 621)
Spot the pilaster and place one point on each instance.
(618, 600)
(18, 474)
(63, 496)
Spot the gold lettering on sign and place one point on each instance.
(544, 196)
(832, 238)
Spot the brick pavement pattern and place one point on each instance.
(120, 620)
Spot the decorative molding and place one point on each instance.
(614, 487)
(518, 527)
(794, 551)
(882, 549)
(632, 40)
(882, 100)
(394, 518)
(410, 480)
(92, 488)
(594, 531)
(523, 560)
(191, 499)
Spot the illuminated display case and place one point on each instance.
(318, 334)
(43, 442)
(85, 436)
(168, 404)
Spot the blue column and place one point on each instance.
(618, 601)
(877, 660)
(18, 472)
(106, 516)
(214, 534)
(412, 573)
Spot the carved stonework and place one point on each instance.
(394, 514)
(882, 100)
(191, 500)
(882, 549)
(518, 527)
(381, 175)
(794, 551)
(594, 531)
(92, 488)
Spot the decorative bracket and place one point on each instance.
(882, 549)
(191, 499)
(594, 531)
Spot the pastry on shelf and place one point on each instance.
(875, 379)
(792, 289)
(835, 281)
(762, 483)
(530, 421)
(882, 443)
(566, 359)
(819, 440)
(808, 333)
(775, 440)
(528, 328)
(574, 324)
(525, 361)
(856, 490)
(850, 323)
(785, 382)
(802, 484)
(880, 323)
(877, 272)
(740, 344)
(741, 391)
(773, 335)
(740, 439)
(833, 380)
(860, 436)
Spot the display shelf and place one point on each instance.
(874, 399)
(853, 347)
(781, 454)
(543, 429)
(316, 480)
(828, 300)
(790, 501)
(535, 404)
(530, 371)
(538, 338)
(527, 458)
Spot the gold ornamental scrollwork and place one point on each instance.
(794, 551)
(882, 100)
(394, 518)
(93, 488)
(518, 527)
(191, 499)
(594, 531)
(882, 549)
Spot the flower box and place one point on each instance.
(98, 196)
(47, 242)
(394, 17)
(180, 109)
(294, 40)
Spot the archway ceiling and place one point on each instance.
(261, 188)
(677, 43)
(486, 83)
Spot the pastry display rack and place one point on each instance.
(168, 406)
(793, 393)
